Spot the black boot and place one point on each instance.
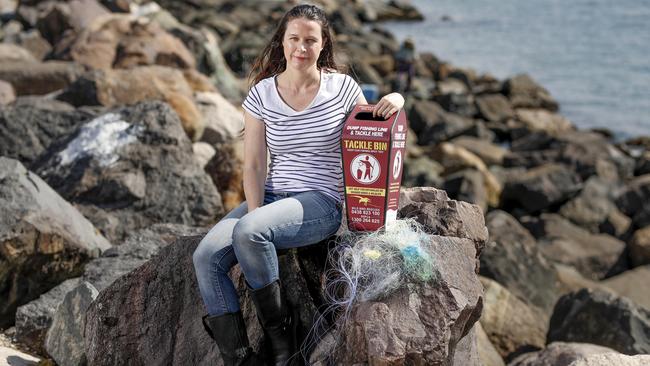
(274, 315)
(229, 331)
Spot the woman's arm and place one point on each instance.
(254, 161)
(386, 106)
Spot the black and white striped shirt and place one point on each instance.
(305, 146)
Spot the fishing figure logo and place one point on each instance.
(365, 201)
(365, 168)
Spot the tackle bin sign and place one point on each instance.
(373, 154)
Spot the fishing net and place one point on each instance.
(370, 266)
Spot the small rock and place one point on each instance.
(490, 153)
(11, 53)
(203, 152)
(523, 92)
(7, 94)
(223, 121)
(64, 341)
(640, 247)
(40, 77)
(560, 354)
(543, 120)
(455, 158)
(467, 185)
(422, 172)
(632, 284)
(632, 200)
(34, 318)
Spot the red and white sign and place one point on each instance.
(373, 151)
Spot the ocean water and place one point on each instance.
(592, 55)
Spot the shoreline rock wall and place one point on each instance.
(160, 85)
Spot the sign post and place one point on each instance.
(373, 155)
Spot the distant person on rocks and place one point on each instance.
(405, 65)
(295, 110)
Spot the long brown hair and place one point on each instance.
(271, 60)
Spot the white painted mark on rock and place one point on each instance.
(100, 138)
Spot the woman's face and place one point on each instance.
(302, 43)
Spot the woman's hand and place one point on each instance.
(388, 105)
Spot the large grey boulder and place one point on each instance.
(130, 168)
(432, 124)
(64, 341)
(223, 121)
(560, 354)
(442, 216)
(542, 120)
(523, 91)
(136, 249)
(490, 153)
(511, 325)
(540, 188)
(34, 319)
(513, 259)
(164, 326)
(467, 185)
(422, 172)
(44, 240)
(30, 126)
(494, 107)
(586, 152)
(594, 255)
(598, 317)
(114, 88)
(424, 323)
(594, 209)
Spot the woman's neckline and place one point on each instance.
(277, 92)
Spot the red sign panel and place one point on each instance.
(373, 154)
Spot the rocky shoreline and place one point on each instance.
(120, 145)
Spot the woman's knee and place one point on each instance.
(202, 254)
(250, 232)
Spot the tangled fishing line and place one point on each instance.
(370, 266)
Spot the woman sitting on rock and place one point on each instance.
(296, 110)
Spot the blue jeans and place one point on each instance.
(286, 220)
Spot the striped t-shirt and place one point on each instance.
(305, 146)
